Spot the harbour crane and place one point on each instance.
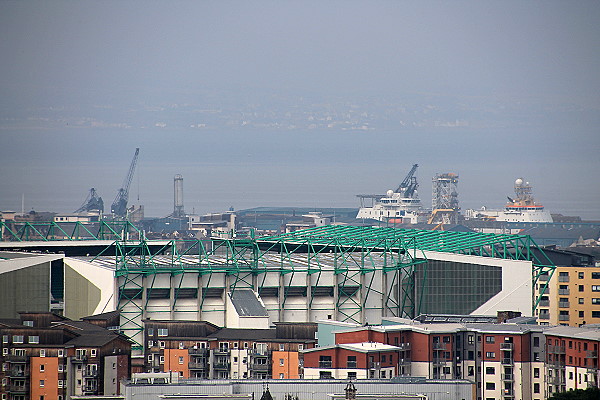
(93, 202)
(119, 205)
(409, 185)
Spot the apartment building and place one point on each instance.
(572, 294)
(505, 361)
(199, 349)
(572, 358)
(46, 356)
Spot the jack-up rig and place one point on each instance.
(119, 205)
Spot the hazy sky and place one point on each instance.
(536, 61)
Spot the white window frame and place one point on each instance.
(93, 352)
(161, 359)
(34, 339)
(61, 352)
(42, 352)
(18, 339)
(162, 332)
(281, 347)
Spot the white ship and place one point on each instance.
(400, 206)
(522, 209)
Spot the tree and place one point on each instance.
(577, 394)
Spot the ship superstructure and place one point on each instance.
(521, 209)
(397, 206)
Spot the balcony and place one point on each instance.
(325, 364)
(544, 277)
(404, 361)
(15, 359)
(563, 317)
(563, 278)
(556, 349)
(256, 354)
(18, 389)
(591, 354)
(564, 304)
(565, 292)
(374, 365)
(507, 361)
(90, 373)
(198, 365)
(78, 359)
(557, 380)
(260, 367)
(439, 346)
(198, 352)
(544, 315)
(506, 346)
(544, 303)
(17, 373)
(404, 346)
(508, 377)
(221, 365)
(221, 352)
(439, 361)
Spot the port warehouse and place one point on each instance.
(344, 273)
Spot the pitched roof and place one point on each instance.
(246, 304)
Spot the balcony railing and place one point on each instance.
(439, 361)
(18, 388)
(544, 303)
(563, 317)
(197, 365)
(556, 349)
(506, 346)
(508, 377)
(221, 365)
(198, 351)
(13, 358)
(544, 315)
(557, 380)
(563, 278)
(544, 277)
(564, 291)
(260, 367)
(404, 361)
(404, 346)
(374, 365)
(564, 304)
(439, 346)
(507, 361)
(90, 373)
(78, 359)
(591, 354)
(325, 364)
(17, 373)
(221, 351)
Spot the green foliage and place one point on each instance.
(578, 394)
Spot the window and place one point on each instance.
(580, 275)
(595, 275)
(595, 288)
(60, 383)
(150, 343)
(470, 355)
(17, 339)
(4, 338)
(490, 370)
(180, 345)
(235, 345)
(536, 341)
(446, 370)
(245, 345)
(42, 352)
(42, 383)
(471, 339)
(281, 375)
(383, 358)
(490, 354)
(324, 361)
(42, 367)
(595, 314)
(151, 358)
(161, 344)
(28, 323)
(580, 300)
(471, 371)
(61, 353)
(93, 353)
(596, 301)
(180, 360)
(581, 288)
(281, 347)
(490, 386)
(351, 362)
(281, 362)
(536, 372)
(150, 331)
(301, 346)
(33, 339)
(163, 332)
(161, 359)
(446, 339)
(580, 314)
(490, 339)
(61, 367)
(351, 375)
